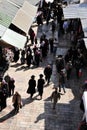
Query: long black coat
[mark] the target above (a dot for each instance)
(32, 85)
(40, 84)
(28, 59)
(48, 71)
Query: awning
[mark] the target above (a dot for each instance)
(29, 9)
(22, 20)
(72, 1)
(25, 17)
(14, 39)
(73, 11)
(70, 12)
(84, 26)
(47, 1)
(85, 41)
(2, 30)
(20, 2)
(84, 97)
(7, 12)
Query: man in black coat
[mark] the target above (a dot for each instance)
(32, 85)
(40, 85)
(37, 57)
(48, 73)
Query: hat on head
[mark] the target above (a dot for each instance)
(41, 75)
(32, 76)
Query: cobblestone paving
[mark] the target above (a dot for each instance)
(38, 114)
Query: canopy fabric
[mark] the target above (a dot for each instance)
(72, 1)
(73, 11)
(25, 17)
(20, 2)
(85, 41)
(84, 97)
(22, 20)
(47, 1)
(2, 30)
(29, 9)
(14, 39)
(84, 26)
(70, 13)
(7, 12)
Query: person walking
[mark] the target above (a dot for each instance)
(40, 85)
(55, 44)
(62, 81)
(11, 85)
(32, 35)
(51, 45)
(78, 67)
(1, 98)
(16, 54)
(69, 69)
(55, 96)
(17, 102)
(23, 56)
(37, 57)
(48, 73)
(32, 85)
(5, 92)
(29, 59)
(53, 27)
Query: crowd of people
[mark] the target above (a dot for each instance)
(34, 54)
(7, 87)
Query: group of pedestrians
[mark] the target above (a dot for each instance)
(30, 56)
(39, 51)
(75, 58)
(32, 84)
(54, 97)
(37, 54)
(7, 86)
(40, 83)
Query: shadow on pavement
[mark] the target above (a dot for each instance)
(16, 65)
(9, 115)
(25, 68)
(63, 117)
(21, 68)
(29, 100)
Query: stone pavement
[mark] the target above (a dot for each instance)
(38, 114)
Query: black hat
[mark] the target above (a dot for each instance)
(32, 76)
(41, 75)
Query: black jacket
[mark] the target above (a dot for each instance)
(32, 85)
